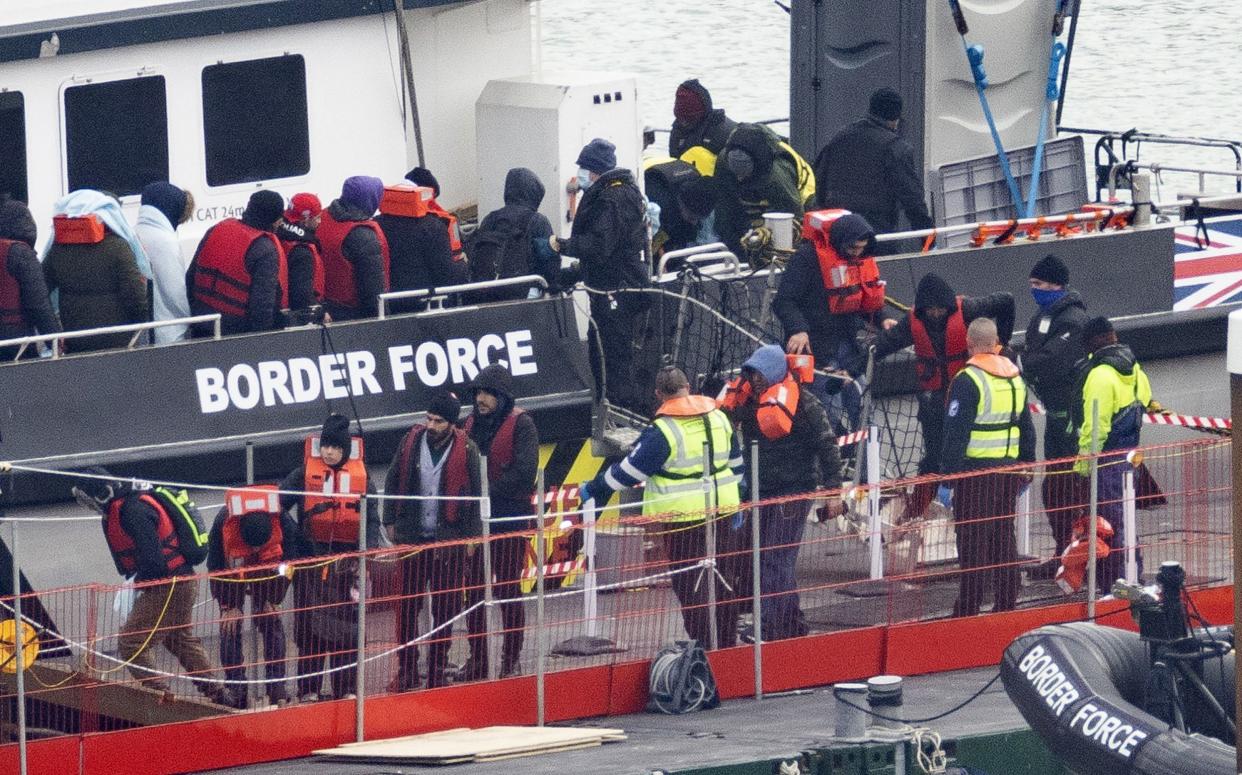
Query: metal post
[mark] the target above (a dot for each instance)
(485, 516)
(1131, 526)
(255, 611)
(709, 529)
(589, 601)
(1093, 508)
(1234, 364)
(541, 559)
(1024, 522)
(756, 597)
(19, 643)
(876, 537)
(360, 677)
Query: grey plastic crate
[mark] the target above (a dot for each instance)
(975, 189)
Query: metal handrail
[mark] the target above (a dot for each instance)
(422, 293)
(1156, 167)
(138, 328)
(699, 254)
(1108, 138)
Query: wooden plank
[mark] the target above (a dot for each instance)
(482, 743)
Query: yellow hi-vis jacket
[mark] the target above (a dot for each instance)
(996, 434)
(693, 426)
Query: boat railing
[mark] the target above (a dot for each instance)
(714, 252)
(1107, 156)
(1123, 170)
(436, 296)
(138, 329)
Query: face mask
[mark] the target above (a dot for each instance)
(740, 163)
(584, 179)
(1047, 298)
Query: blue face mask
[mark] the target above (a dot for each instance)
(1046, 299)
(584, 179)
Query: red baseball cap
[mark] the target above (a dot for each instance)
(303, 206)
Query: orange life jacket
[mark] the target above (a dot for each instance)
(221, 280)
(326, 519)
(243, 501)
(10, 291)
(734, 394)
(738, 391)
(1074, 559)
(121, 544)
(777, 407)
(936, 370)
(339, 284)
(454, 233)
(86, 229)
(853, 285)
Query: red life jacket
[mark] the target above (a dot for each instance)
(242, 501)
(500, 454)
(317, 278)
(10, 291)
(853, 285)
(122, 545)
(777, 407)
(339, 284)
(220, 277)
(326, 519)
(456, 474)
(935, 370)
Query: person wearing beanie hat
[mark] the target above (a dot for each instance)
(240, 271)
(700, 130)
(609, 239)
(251, 537)
(668, 454)
(936, 327)
(19, 265)
(1051, 351)
(437, 460)
(136, 526)
(756, 173)
(324, 626)
(355, 253)
(1112, 387)
(421, 176)
(164, 208)
(507, 436)
(296, 232)
(868, 168)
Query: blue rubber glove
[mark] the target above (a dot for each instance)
(584, 492)
(738, 520)
(944, 496)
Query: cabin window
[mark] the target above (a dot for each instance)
(254, 120)
(13, 145)
(116, 134)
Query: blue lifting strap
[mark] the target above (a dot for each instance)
(1051, 94)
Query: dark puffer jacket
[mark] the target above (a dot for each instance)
(1052, 349)
(512, 489)
(511, 235)
(802, 300)
(99, 285)
(421, 256)
(869, 169)
(771, 187)
(22, 264)
(299, 242)
(609, 234)
(805, 460)
(935, 292)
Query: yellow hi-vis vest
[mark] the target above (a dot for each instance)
(996, 433)
(677, 489)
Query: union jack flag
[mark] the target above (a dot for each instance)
(1210, 276)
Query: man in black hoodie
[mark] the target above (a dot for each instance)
(1052, 348)
(512, 241)
(696, 124)
(609, 237)
(755, 175)
(239, 270)
(804, 304)
(507, 436)
(936, 326)
(24, 304)
(869, 169)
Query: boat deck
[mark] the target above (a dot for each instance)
(738, 731)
